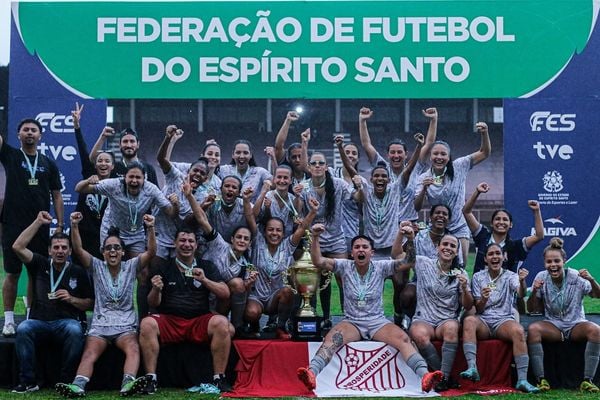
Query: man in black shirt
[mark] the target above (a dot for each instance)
(180, 294)
(31, 179)
(61, 295)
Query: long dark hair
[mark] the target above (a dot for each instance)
(510, 218)
(206, 146)
(252, 161)
(450, 165)
(113, 231)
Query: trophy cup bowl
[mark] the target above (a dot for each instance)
(305, 278)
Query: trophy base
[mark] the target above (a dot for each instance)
(307, 329)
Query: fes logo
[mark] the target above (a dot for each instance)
(545, 120)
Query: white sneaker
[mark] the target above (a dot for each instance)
(9, 330)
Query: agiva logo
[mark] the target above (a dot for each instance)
(556, 227)
(57, 123)
(546, 120)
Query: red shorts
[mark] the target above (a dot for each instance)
(175, 329)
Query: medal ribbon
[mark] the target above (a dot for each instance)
(114, 286)
(289, 205)
(32, 169)
(363, 282)
(185, 267)
(53, 284)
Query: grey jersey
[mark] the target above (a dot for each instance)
(219, 252)
(450, 192)
(381, 215)
(437, 294)
(285, 211)
(253, 177)
(226, 222)
(127, 212)
(271, 267)
(332, 238)
(499, 305)
(351, 209)
(113, 306)
(563, 306)
(407, 203)
(363, 296)
(166, 226)
(212, 186)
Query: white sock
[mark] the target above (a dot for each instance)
(28, 311)
(9, 317)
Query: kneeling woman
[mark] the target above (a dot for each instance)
(493, 292)
(114, 320)
(559, 292)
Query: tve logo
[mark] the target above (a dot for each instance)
(58, 151)
(56, 122)
(562, 151)
(552, 122)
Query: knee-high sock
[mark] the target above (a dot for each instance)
(522, 364)
(536, 356)
(417, 363)
(317, 364)
(592, 352)
(238, 304)
(448, 355)
(430, 354)
(470, 350)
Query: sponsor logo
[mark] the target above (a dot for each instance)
(545, 120)
(562, 151)
(58, 152)
(372, 370)
(557, 228)
(553, 182)
(55, 122)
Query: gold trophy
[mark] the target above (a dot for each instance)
(304, 280)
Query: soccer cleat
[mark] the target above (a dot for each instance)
(21, 388)
(430, 380)
(543, 385)
(134, 386)
(307, 377)
(151, 385)
(9, 330)
(526, 387)
(471, 374)
(222, 385)
(69, 390)
(589, 387)
(282, 334)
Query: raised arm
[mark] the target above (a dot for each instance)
(305, 139)
(59, 209)
(261, 198)
(359, 194)
(535, 304)
(339, 142)
(420, 197)
(20, 245)
(87, 166)
(315, 250)
(248, 213)
(467, 210)
(161, 156)
(410, 253)
(419, 139)
(522, 290)
(432, 114)
(282, 135)
(150, 252)
(364, 114)
(538, 223)
(106, 133)
(85, 257)
(87, 185)
(306, 222)
(486, 147)
(178, 135)
(585, 274)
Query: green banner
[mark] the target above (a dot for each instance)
(316, 49)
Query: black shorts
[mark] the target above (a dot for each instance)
(12, 263)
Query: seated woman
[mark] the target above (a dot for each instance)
(114, 320)
(493, 292)
(558, 292)
(442, 289)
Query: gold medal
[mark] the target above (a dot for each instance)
(52, 296)
(32, 182)
(188, 273)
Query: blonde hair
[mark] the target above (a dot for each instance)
(556, 244)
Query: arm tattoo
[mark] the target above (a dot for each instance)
(327, 352)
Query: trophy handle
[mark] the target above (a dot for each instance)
(327, 280)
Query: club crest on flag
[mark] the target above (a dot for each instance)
(372, 370)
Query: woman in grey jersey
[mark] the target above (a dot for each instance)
(446, 179)
(442, 289)
(493, 290)
(272, 255)
(558, 292)
(114, 320)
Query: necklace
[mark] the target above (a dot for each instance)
(438, 179)
(187, 271)
(363, 285)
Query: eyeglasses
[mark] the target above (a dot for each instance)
(111, 247)
(319, 163)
